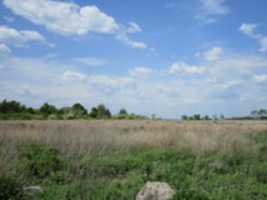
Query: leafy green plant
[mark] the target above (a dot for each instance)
(41, 161)
(10, 189)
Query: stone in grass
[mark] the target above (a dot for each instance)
(33, 189)
(155, 191)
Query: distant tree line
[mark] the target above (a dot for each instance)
(259, 114)
(16, 110)
(197, 117)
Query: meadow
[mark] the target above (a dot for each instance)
(113, 159)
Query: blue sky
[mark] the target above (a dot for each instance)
(168, 57)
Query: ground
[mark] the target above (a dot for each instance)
(109, 159)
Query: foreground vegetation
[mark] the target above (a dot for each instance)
(114, 159)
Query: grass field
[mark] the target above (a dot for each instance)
(112, 160)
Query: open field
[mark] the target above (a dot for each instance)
(109, 159)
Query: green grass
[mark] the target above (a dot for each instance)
(120, 175)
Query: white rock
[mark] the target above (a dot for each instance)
(33, 189)
(155, 191)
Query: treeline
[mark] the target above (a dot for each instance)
(260, 114)
(16, 110)
(197, 117)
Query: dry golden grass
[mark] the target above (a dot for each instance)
(107, 135)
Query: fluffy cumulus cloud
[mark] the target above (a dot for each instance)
(210, 10)
(90, 61)
(4, 49)
(182, 68)
(73, 76)
(261, 78)
(251, 31)
(132, 43)
(213, 54)
(141, 72)
(63, 17)
(8, 34)
(68, 18)
(133, 28)
(11, 36)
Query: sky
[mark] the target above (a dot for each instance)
(164, 57)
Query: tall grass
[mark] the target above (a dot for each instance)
(108, 159)
(91, 136)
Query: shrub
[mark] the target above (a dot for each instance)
(10, 189)
(41, 161)
(260, 172)
(48, 109)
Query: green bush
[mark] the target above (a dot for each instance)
(10, 189)
(260, 172)
(41, 161)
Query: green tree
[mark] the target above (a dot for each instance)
(259, 114)
(123, 112)
(30, 110)
(103, 112)
(48, 109)
(79, 109)
(93, 113)
(11, 107)
(206, 117)
(184, 117)
(197, 116)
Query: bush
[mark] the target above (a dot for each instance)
(42, 161)
(260, 172)
(10, 189)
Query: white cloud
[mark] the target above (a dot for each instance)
(219, 87)
(230, 84)
(68, 18)
(91, 61)
(137, 44)
(184, 68)
(4, 49)
(250, 30)
(263, 43)
(215, 7)
(133, 28)
(140, 72)
(261, 78)
(15, 37)
(211, 9)
(122, 36)
(213, 54)
(63, 17)
(73, 76)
